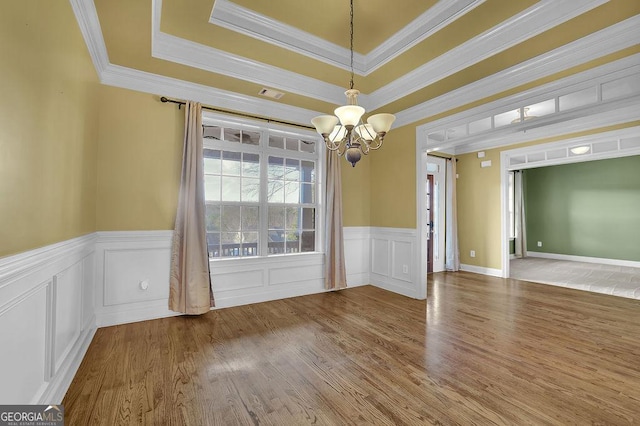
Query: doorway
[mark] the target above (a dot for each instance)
(429, 209)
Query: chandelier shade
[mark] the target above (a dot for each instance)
(345, 133)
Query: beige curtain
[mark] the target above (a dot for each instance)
(452, 252)
(521, 229)
(335, 275)
(190, 282)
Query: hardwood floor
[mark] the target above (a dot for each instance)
(480, 350)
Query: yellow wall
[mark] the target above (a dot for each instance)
(393, 180)
(48, 126)
(139, 161)
(356, 192)
(479, 201)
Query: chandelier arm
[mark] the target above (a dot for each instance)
(331, 144)
(378, 145)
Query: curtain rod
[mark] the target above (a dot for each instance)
(164, 99)
(440, 156)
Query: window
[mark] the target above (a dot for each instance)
(261, 191)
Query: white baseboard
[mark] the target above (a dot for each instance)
(388, 284)
(136, 313)
(481, 270)
(586, 259)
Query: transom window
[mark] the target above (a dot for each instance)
(261, 191)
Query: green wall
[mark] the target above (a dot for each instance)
(585, 209)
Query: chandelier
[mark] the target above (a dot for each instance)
(344, 132)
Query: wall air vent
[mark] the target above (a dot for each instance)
(270, 93)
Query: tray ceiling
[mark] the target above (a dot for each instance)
(406, 53)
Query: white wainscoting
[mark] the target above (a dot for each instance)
(132, 276)
(357, 250)
(394, 260)
(53, 298)
(46, 319)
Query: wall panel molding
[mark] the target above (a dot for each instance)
(46, 319)
(394, 264)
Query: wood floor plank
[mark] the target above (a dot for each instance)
(479, 350)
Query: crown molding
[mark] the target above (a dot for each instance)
(175, 49)
(248, 22)
(142, 81)
(521, 27)
(609, 40)
(529, 23)
(87, 18)
(605, 41)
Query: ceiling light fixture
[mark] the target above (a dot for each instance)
(344, 132)
(525, 116)
(579, 150)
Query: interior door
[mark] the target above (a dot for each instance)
(429, 210)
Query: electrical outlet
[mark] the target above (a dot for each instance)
(405, 269)
(472, 253)
(539, 243)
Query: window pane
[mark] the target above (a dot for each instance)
(275, 192)
(212, 161)
(276, 141)
(291, 218)
(292, 193)
(250, 218)
(212, 217)
(211, 188)
(308, 171)
(578, 99)
(250, 189)
(307, 191)
(212, 132)
(250, 165)
(231, 163)
(292, 169)
(213, 244)
(250, 138)
(540, 109)
(308, 242)
(230, 244)
(506, 118)
(308, 146)
(276, 217)
(230, 188)
(276, 168)
(480, 125)
(230, 218)
(308, 218)
(232, 135)
(292, 144)
(293, 242)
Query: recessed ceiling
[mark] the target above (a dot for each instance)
(407, 53)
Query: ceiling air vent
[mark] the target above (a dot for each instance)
(270, 93)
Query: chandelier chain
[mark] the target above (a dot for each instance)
(351, 45)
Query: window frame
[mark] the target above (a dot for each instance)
(264, 151)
